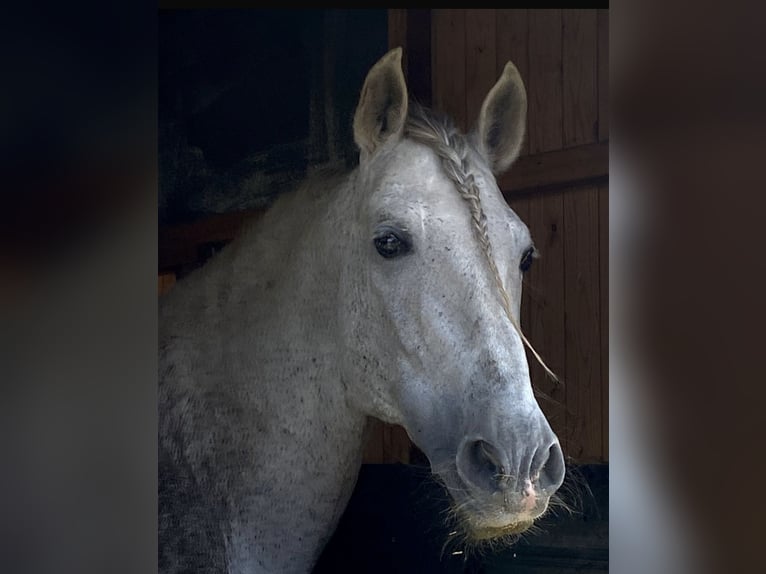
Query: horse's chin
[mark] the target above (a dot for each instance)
(486, 519)
(484, 516)
(484, 533)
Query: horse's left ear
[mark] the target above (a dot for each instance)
(502, 121)
(382, 107)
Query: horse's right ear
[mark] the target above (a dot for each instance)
(382, 108)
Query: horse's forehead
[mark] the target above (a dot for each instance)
(414, 177)
(413, 165)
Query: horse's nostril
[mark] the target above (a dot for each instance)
(485, 459)
(481, 464)
(552, 471)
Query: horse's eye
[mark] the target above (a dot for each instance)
(389, 245)
(526, 259)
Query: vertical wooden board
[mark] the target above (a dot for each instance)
(396, 444)
(480, 64)
(543, 301)
(511, 32)
(583, 340)
(448, 59)
(603, 74)
(373, 448)
(579, 68)
(397, 32)
(603, 248)
(545, 81)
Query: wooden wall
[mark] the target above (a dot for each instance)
(559, 186)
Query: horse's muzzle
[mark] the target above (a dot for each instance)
(530, 470)
(504, 490)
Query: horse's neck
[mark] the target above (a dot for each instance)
(270, 387)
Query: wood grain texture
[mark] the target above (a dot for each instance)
(557, 168)
(373, 447)
(580, 76)
(582, 308)
(545, 81)
(396, 444)
(481, 64)
(512, 40)
(603, 249)
(603, 75)
(544, 301)
(448, 57)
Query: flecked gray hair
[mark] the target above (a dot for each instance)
(452, 147)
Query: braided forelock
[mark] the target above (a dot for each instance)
(452, 149)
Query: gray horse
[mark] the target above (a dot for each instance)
(392, 292)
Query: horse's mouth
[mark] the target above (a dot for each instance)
(484, 520)
(493, 532)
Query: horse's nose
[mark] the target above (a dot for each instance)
(485, 466)
(547, 468)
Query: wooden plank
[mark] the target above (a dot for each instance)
(583, 340)
(481, 64)
(397, 32)
(579, 73)
(396, 444)
(448, 58)
(543, 304)
(603, 265)
(373, 448)
(545, 81)
(603, 74)
(512, 38)
(557, 168)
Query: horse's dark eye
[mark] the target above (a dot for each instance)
(526, 259)
(391, 245)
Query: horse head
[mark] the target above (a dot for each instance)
(432, 299)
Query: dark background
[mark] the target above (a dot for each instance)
(249, 99)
